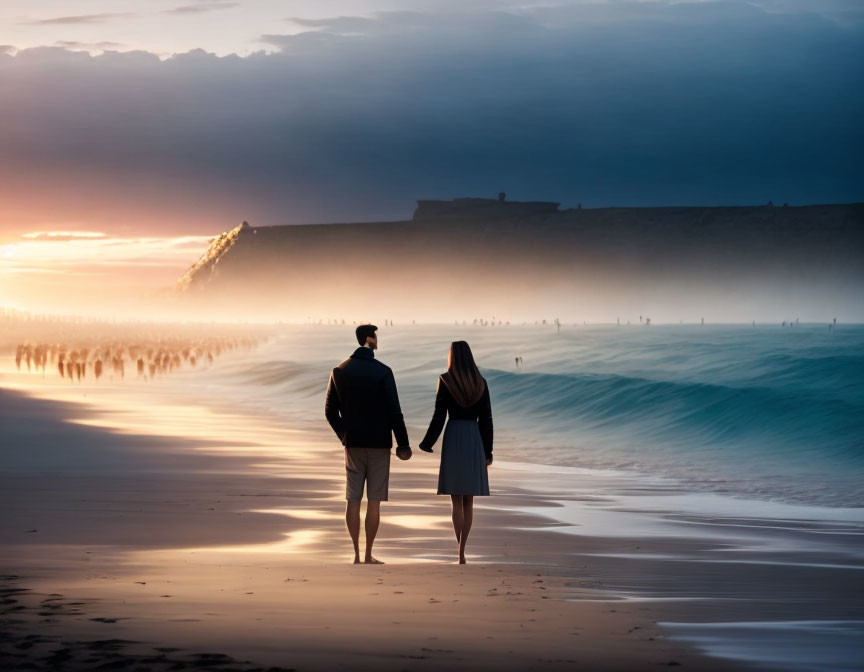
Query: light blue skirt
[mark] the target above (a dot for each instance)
(463, 462)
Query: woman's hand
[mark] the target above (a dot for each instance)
(425, 449)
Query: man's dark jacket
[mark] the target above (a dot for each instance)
(362, 405)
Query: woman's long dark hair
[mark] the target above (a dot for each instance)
(463, 379)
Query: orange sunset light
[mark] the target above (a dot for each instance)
(99, 271)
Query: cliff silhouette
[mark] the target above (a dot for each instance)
(523, 258)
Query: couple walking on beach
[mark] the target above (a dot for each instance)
(362, 407)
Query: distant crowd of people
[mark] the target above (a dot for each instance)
(145, 358)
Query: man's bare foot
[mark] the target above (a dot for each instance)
(462, 560)
(372, 561)
(356, 559)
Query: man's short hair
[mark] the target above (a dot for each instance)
(365, 330)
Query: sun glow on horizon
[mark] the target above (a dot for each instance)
(73, 250)
(58, 235)
(97, 268)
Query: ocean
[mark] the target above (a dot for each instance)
(760, 412)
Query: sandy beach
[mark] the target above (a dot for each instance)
(159, 551)
(182, 535)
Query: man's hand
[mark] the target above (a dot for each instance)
(403, 452)
(488, 460)
(425, 450)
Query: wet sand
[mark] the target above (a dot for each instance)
(173, 551)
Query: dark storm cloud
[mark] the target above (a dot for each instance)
(625, 103)
(81, 18)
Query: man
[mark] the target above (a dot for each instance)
(362, 407)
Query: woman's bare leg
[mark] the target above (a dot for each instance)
(457, 516)
(467, 519)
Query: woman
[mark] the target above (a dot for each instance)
(463, 394)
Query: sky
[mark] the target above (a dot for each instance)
(168, 122)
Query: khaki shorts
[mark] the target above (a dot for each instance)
(370, 465)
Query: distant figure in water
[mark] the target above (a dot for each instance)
(362, 407)
(518, 362)
(466, 452)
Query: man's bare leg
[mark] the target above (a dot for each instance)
(467, 519)
(373, 517)
(352, 520)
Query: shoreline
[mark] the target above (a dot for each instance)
(611, 437)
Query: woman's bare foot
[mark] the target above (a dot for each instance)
(356, 559)
(372, 561)
(462, 560)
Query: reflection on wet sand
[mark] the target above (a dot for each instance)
(298, 541)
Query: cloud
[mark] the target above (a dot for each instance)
(74, 44)
(82, 18)
(603, 104)
(200, 9)
(61, 236)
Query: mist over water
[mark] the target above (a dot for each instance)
(763, 412)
